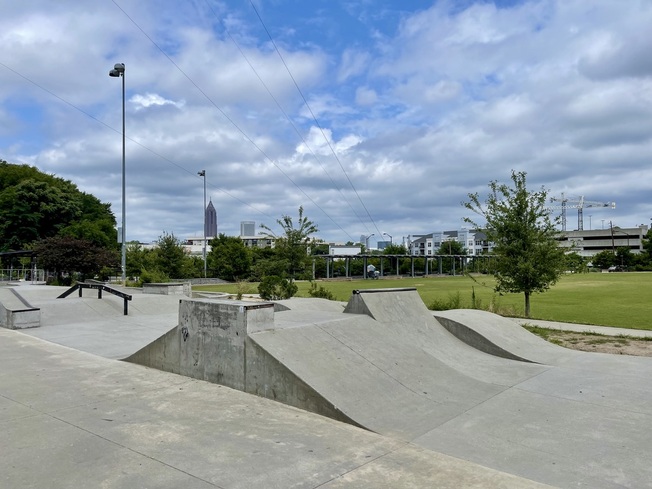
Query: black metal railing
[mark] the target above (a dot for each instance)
(99, 286)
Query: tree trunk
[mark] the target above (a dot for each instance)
(527, 304)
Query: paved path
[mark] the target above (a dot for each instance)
(586, 328)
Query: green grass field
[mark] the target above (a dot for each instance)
(607, 299)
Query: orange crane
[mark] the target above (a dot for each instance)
(578, 203)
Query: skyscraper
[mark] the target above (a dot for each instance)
(247, 228)
(210, 221)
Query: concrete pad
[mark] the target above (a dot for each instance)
(99, 326)
(560, 417)
(119, 425)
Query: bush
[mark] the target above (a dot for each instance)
(154, 277)
(454, 301)
(274, 287)
(320, 292)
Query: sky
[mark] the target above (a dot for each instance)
(378, 117)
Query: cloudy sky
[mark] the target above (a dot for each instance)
(376, 116)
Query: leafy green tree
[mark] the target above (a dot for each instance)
(647, 246)
(36, 205)
(169, 256)
(624, 256)
(229, 258)
(451, 247)
(528, 258)
(395, 249)
(68, 255)
(138, 259)
(576, 263)
(33, 210)
(292, 244)
(604, 259)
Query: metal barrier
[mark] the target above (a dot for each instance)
(32, 275)
(99, 287)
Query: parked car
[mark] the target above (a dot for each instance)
(616, 268)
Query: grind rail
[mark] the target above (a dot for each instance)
(99, 287)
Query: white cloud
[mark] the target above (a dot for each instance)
(152, 99)
(419, 112)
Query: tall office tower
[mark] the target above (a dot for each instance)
(247, 228)
(210, 221)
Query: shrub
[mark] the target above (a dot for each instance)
(274, 287)
(320, 292)
(454, 301)
(153, 277)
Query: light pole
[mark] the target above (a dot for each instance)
(391, 241)
(203, 174)
(366, 241)
(118, 71)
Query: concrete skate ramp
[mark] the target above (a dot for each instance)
(99, 326)
(501, 336)
(385, 363)
(567, 420)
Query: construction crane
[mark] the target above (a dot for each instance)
(578, 203)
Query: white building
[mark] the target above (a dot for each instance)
(472, 240)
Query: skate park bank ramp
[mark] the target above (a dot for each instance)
(98, 325)
(383, 362)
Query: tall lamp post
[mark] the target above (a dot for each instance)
(366, 241)
(391, 241)
(118, 71)
(203, 174)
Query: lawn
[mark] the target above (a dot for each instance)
(606, 299)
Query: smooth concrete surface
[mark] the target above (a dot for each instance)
(16, 312)
(99, 326)
(559, 417)
(71, 419)
(214, 341)
(168, 288)
(566, 418)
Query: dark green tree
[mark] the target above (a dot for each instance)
(68, 255)
(292, 245)
(33, 210)
(229, 258)
(36, 205)
(528, 258)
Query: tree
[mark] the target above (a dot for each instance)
(229, 258)
(169, 256)
(451, 247)
(36, 205)
(33, 210)
(65, 254)
(528, 258)
(395, 249)
(293, 244)
(604, 259)
(575, 262)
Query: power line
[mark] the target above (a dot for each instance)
(287, 117)
(312, 114)
(130, 139)
(233, 123)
